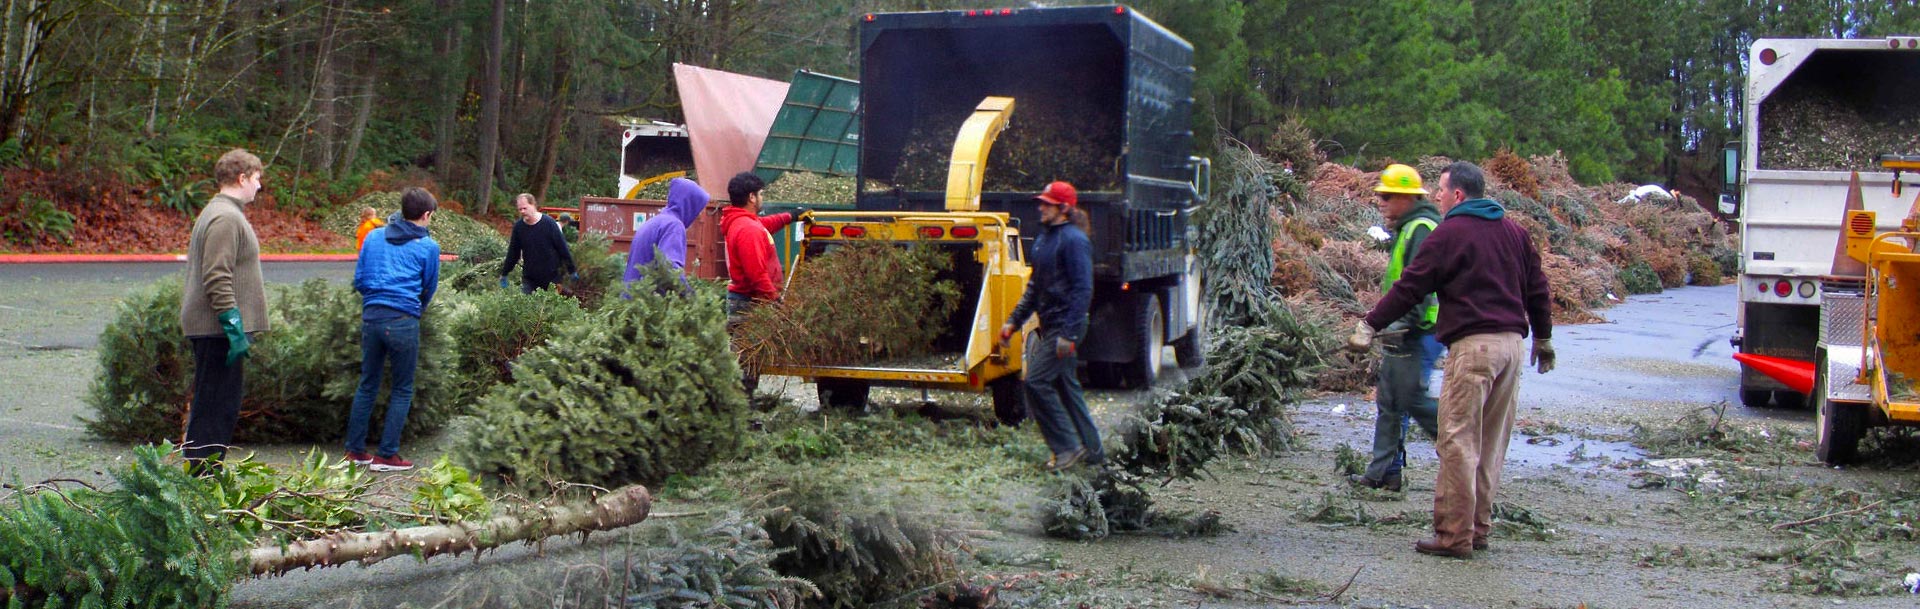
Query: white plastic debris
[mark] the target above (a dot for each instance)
(1340, 409)
(1913, 583)
(1610, 296)
(1680, 469)
(1378, 234)
(1649, 190)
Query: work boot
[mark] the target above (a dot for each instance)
(1432, 547)
(1392, 483)
(1479, 543)
(1062, 461)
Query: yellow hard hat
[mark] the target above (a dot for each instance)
(1400, 179)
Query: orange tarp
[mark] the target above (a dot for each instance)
(728, 118)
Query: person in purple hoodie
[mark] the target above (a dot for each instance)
(666, 232)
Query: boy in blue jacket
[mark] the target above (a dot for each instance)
(398, 270)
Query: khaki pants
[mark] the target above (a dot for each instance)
(1477, 401)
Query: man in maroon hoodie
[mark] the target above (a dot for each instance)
(1487, 274)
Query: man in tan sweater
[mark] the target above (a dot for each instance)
(225, 300)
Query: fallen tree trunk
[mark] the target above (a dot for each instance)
(611, 511)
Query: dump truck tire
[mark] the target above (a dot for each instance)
(1103, 375)
(1789, 400)
(1191, 350)
(1009, 405)
(1755, 398)
(843, 393)
(1150, 339)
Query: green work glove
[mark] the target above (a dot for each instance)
(237, 343)
(1542, 355)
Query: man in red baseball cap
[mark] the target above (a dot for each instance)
(1059, 292)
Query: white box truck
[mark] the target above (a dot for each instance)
(1791, 203)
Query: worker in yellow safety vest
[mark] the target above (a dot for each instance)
(1408, 344)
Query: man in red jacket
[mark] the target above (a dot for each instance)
(1486, 271)
(752, 264)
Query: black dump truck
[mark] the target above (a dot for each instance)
(1104, 101)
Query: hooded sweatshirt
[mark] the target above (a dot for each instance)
(1486, 271)
(752, 263)
(667, 230)
(398, 271)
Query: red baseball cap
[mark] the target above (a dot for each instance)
(1059, 193)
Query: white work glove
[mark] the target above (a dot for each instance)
(1362, 338)
(1542, 359)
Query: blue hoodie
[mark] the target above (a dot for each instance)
(667, 230)
(399, 269)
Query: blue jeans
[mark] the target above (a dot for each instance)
(1055, 400)
(1402, 394)
(395, 340)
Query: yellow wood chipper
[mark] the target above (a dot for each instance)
(1869, 349)
(989, 267)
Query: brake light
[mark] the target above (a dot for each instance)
(932, 232)
(1006, 11)
(1782, 288)
(965, 232)
(819, 230)
(853, 232)
(1768, 56)
(1119, 10)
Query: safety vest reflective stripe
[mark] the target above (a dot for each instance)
(1429, 312)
